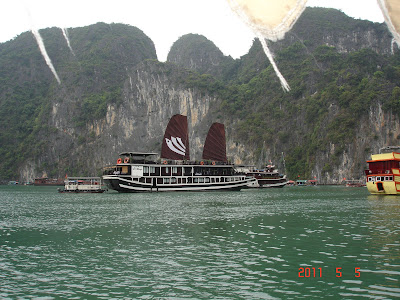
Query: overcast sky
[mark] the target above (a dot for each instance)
(164, 21)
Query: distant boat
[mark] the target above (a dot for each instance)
(301, 182)
(136, 172)
(44, 181)
(383, 174)
(354, 183)
(82, 185)
(13, 182)
(269, 177)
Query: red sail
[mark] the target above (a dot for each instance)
(215, 145)
(176, 139)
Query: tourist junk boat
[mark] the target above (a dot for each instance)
(82, 185)
(136, 172)
(383, 174)
(269, 177)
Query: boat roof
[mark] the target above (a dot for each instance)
(144, 154)
(385, 157)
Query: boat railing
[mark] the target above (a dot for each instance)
(374, 172)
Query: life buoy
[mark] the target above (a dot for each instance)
(164, 162)
(202, 162)
(126, 160)
(213, 163)
(119, 161)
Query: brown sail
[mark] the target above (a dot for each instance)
(215, 145)
(176, 139)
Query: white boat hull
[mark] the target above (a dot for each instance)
(268, 185)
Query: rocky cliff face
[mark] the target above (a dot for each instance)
(375, 131)
(152, 93)
(115, 97)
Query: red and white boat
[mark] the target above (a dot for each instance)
(138, 172)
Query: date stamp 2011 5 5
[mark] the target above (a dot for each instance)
(312, 272)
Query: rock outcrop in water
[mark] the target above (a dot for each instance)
(115, 96)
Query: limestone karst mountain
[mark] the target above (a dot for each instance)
(116, 96)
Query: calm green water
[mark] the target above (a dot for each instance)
(229, 245)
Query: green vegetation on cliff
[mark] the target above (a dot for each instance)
(91, 78)
(336, 75)
(332, 91)
(330, 95)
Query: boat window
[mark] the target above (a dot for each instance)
(208, 180)
(378, 178)
(145, 170)
(148, 180)
(173, 180)
(217, 179)
(390, 178)
(175, 170)
(141, 179)
(159, 180)
(187, 171)
(183, 180)
(135, 179)
(195, 180)
(124, 170)
(165, 171)
(179, 181)
(189, 180)
(212, 180)
(166, 180)
(201, 180)
(154, 171)
(222, 179)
